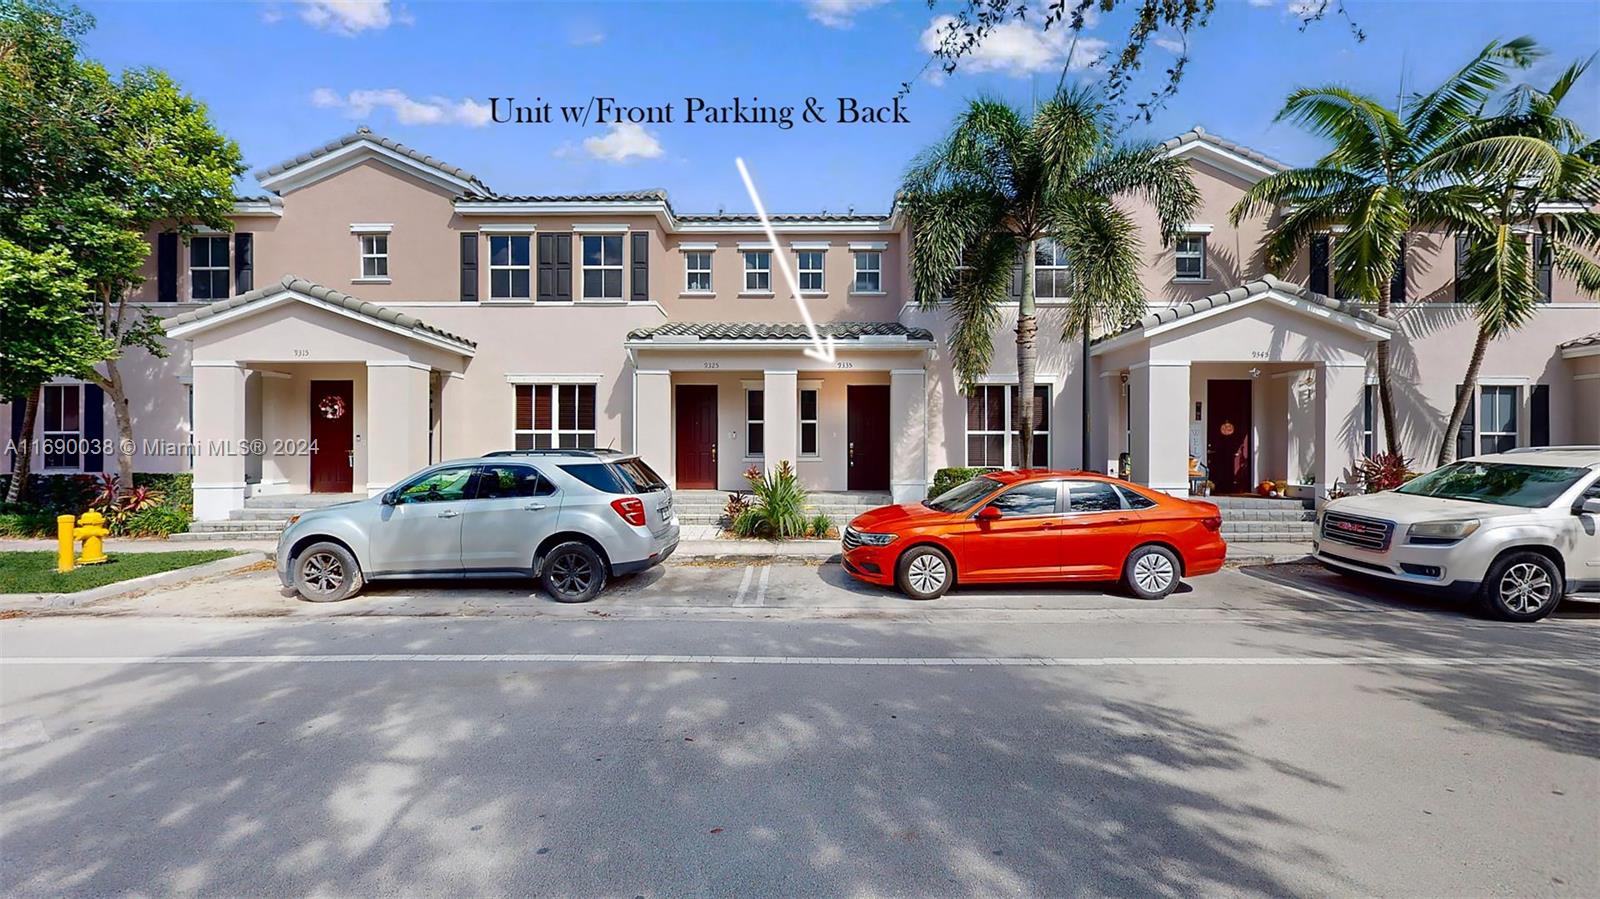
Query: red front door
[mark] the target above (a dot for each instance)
(867, 436)
(333, 410)
(697, 436)
(1228, 435)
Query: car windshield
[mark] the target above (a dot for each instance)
(1528, 486)
(963, 497)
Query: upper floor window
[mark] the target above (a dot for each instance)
(1191, 258)
(697, 272)
(758, 271)
(510, 267)
(602, 266)
(555, 416)
(208, 268)
(374, 256)
(810, 271)
(1051, 279)
(869, 272)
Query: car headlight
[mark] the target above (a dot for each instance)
(1451, 529)
(876, 539)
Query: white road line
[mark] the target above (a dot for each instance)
(761, 591)
(918, 662)
(744, 585)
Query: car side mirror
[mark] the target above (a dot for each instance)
(1590, 507)
(390, 498)
(989, 513)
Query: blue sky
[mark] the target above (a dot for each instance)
(281, 77)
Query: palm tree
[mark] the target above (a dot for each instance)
(1373, 183)
(999, 184)
(1536, 174)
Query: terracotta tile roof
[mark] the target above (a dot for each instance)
(364, 134)
(653, 193)
(658, 195)
(728, 331)
(1351, 308)
(1586, 340)
(289, 283)
(1200, 134)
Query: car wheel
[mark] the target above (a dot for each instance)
(1151, 572)
(1524, 586)
(573, 572)
(326, 572)
(924, 573)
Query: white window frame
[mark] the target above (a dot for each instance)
(1057, 264)
(620, 267)
(1179, 254)
(813, 387)
(749, 256)
(748, 421)
(1484, 392)
(225, 267)
(876, 270)
(1010, 434)
(690, 270)
(373, 255)
(819, 271)
(510, 267)
(555, 432)
(46, 435)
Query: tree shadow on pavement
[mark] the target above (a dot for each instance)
(593, 779)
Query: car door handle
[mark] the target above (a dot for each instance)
(449, 513)
(533, 507)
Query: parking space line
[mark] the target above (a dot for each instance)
(744, 585)
(921, 662)
(761, 592)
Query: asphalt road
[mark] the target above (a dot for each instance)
(1264, 734)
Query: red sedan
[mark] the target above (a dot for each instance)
(1037, 525)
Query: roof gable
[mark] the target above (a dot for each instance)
(1202, 146)
(358, 147)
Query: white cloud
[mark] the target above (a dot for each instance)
(406, 110)
(271, 14)
(838, 13)
(1263, 2)
(586, 38)
(1019, 49)
(1171, 45)
(1307, 7)
(351, 17)
(624, 143)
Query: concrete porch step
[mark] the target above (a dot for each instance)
(269, 524)
(1251, 514)
(1256, 502)
(273, 514)
(218, 536)
(299, 500)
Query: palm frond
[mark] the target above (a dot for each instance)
(944, 224)
(1576, 265)
(975, 305)
(1497, 280)
(1146, 172)
(1293, 187)
(1102, 242)
(1462, 96)
(1365, 135)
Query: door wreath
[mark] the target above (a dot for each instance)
(332, 407)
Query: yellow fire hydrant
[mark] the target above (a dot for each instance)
(91, 529)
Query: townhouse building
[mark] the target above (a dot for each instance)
(379, 309)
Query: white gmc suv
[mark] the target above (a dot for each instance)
(1517, 530)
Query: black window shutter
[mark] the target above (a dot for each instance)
(469, 268)
(244, 263)
(545, 266)
(167, 268)
(640, 266)
(1397, 281)
(1319, 264)
(1465, 438)
(1539, 416)
(1461, 267)
(563, 244)
(1542, 262)
(94, 428)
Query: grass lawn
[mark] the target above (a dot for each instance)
(35, 572)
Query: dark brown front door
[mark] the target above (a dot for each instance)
(867, 437)
(697, 436)
(333, 409)
(1228, 435)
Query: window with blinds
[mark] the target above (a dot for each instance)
(555, 416)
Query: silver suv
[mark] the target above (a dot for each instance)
(571, 518)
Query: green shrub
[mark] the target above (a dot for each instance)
(778, 508)
(156, 522)
(947, 479)
(821, 525)
(164, 504)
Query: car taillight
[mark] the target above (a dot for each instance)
(1212, 522)
(631, 508)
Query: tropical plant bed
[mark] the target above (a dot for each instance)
(35, 572)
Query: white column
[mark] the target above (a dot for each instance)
(219, 437)
(1336, 412)
(397, 422)
(1160, 397)
(781, 413)
(908, 429)
(1107, 423)
(652, 421)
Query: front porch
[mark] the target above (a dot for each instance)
(302, 389)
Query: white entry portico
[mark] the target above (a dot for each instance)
(1290, 365)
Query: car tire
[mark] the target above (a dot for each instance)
(1522, 586)
(326, 572)
(924, 573)
(1151, 572)
(573, 572)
